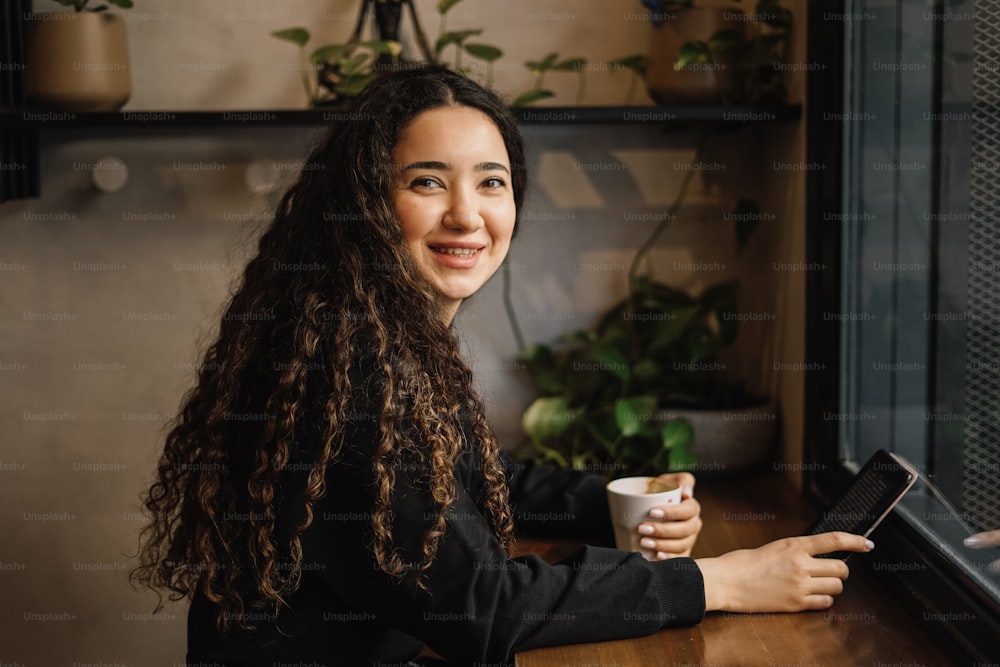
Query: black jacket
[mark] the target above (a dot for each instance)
(481, 606)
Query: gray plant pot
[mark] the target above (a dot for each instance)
(729, 441)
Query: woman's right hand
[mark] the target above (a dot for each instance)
(780, 576)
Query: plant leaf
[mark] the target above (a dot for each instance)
(356, 65)
(124, 4)
(670, 330)
(550, 381)
(720, 300)
(530, 97)
(612, 359)
(691, 53)
(725, 40)
(632, 413)
(330, 53)
(570, 65)
(484, 52)
(676, 434)
(576, 338)
(646, 370)
(636, 62)
(682, 460)
(454, 37)
(536, 355)
(444, 6)
(703, 346)
(297, 36)
(547, 417)
(773, 14)
(537, 67)
(388, 47)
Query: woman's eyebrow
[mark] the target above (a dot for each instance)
(443, 166)
(439, 166)
(491, 166)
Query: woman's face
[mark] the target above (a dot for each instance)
(453, 197)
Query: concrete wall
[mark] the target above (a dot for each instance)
(106, 300)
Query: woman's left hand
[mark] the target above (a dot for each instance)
(673, 529)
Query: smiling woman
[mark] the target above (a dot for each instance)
(454, 199)
(331, 493)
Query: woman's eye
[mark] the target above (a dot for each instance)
(424, 182)
(494, 182)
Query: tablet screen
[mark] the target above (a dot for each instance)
(872, 494)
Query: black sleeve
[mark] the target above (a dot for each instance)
(479, 605)
(558, 502)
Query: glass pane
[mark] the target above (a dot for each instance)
(922, 261)
(889, 269)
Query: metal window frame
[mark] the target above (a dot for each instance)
(936, 586)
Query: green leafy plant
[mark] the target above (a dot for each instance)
(551, 63)
(342, 70)
(637, 65)
(604, 389)
(84, 5)
(756, 56)
(458, 38)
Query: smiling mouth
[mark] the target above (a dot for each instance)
(456, 252)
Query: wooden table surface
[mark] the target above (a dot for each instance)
(864, 626)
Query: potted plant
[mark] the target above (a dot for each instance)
(712, 52)
(755, 54)
(644, 390)
(78, 61)
(343, 70)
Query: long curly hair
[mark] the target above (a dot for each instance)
(331, 282)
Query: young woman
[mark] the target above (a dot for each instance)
(331, 493)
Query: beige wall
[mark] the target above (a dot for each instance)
(221, 55)
(107, 299)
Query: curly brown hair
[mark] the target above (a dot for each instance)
(331, 282)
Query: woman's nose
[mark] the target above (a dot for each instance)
(462, 212)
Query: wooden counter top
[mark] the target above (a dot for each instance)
(865, 626)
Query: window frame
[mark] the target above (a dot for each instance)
(937, 585)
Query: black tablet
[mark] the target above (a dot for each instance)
(872, 494)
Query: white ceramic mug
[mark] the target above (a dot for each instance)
(630, 505)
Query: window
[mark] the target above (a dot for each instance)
(906, 118)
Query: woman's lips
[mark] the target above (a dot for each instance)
(457, 257)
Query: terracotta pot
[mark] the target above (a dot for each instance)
(729, 441)
(700, 84)
(78, 61)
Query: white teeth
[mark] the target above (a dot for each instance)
(458, 252)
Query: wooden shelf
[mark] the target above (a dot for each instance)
(632, 115)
